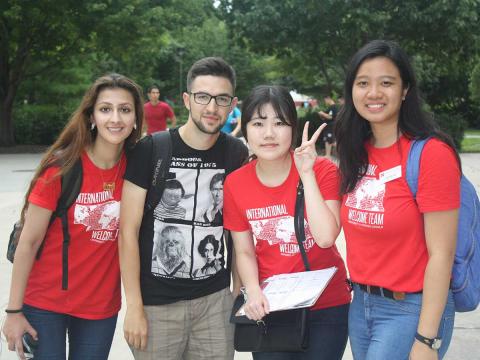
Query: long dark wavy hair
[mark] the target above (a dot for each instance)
(352, 130)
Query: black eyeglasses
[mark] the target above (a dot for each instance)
(204, 99)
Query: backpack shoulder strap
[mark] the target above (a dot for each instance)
(413, 164)
(161, 156)
(236, 154)
(71, 185)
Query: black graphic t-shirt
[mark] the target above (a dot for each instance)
(182, 247)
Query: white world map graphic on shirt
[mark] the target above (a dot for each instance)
(367, 195)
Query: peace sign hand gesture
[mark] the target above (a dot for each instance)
(306, 153)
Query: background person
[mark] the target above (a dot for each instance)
(233, 124)
(269, 122)
(108, 119)
(329, 117)
(399, 250)
(157, 113)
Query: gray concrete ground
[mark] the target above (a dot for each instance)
(17, 169)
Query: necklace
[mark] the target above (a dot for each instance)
(110, 185)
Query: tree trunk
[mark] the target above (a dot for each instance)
(7, 136)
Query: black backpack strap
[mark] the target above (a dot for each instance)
(71, 183)
(299, 223)
(161, 156)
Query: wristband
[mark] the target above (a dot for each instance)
(13, 311)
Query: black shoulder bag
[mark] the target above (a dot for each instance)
(280, 330)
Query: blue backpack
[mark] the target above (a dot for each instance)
(465, 283)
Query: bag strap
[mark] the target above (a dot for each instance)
(71, 183)
(413, 164)
(161, 156)
(299, 223)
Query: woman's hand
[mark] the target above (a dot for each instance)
(15, 326)
(257, 305)
(135, 327)
(306, 153)
(422, 352)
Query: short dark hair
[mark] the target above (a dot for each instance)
(280, 99)
(214, 66)
(151, 87)
(209, 239)
(218, 177)
(174, 184)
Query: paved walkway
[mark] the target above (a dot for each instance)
(17, 169)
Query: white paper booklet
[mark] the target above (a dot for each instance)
(296, 290)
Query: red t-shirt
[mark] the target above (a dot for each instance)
(269, 213)
(156, 116)
(93, 266)
(383, 225)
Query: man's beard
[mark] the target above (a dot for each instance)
(203, 129)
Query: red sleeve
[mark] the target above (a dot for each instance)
(327, 179)
(439, 178)
(47, 189)
(169, 111)
(233, 218)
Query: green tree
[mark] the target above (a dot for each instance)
(39, 36)
(321, 36)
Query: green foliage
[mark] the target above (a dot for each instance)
(315, 121)
(454, 125)
(317, 38)
(474, 85)
(39, 124)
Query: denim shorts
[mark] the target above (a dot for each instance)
(87, 339)
(382, 328)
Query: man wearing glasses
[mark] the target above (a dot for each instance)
(168, 316)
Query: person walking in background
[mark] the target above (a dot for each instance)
(233, 124)
(158, 113)
(265, 243)
(179, 314)
(329, 117)
(400, 250)
(108, 119)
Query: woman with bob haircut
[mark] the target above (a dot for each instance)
(264, 241)
(108, 120)
(399, 251)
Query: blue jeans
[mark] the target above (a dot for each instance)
(382, 328)
(88, 339)
(328, 337)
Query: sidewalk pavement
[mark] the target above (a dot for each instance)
(15, 173)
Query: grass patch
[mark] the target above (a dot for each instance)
(471, 145)
(472, 132)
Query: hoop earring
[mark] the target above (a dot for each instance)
(92, 127)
